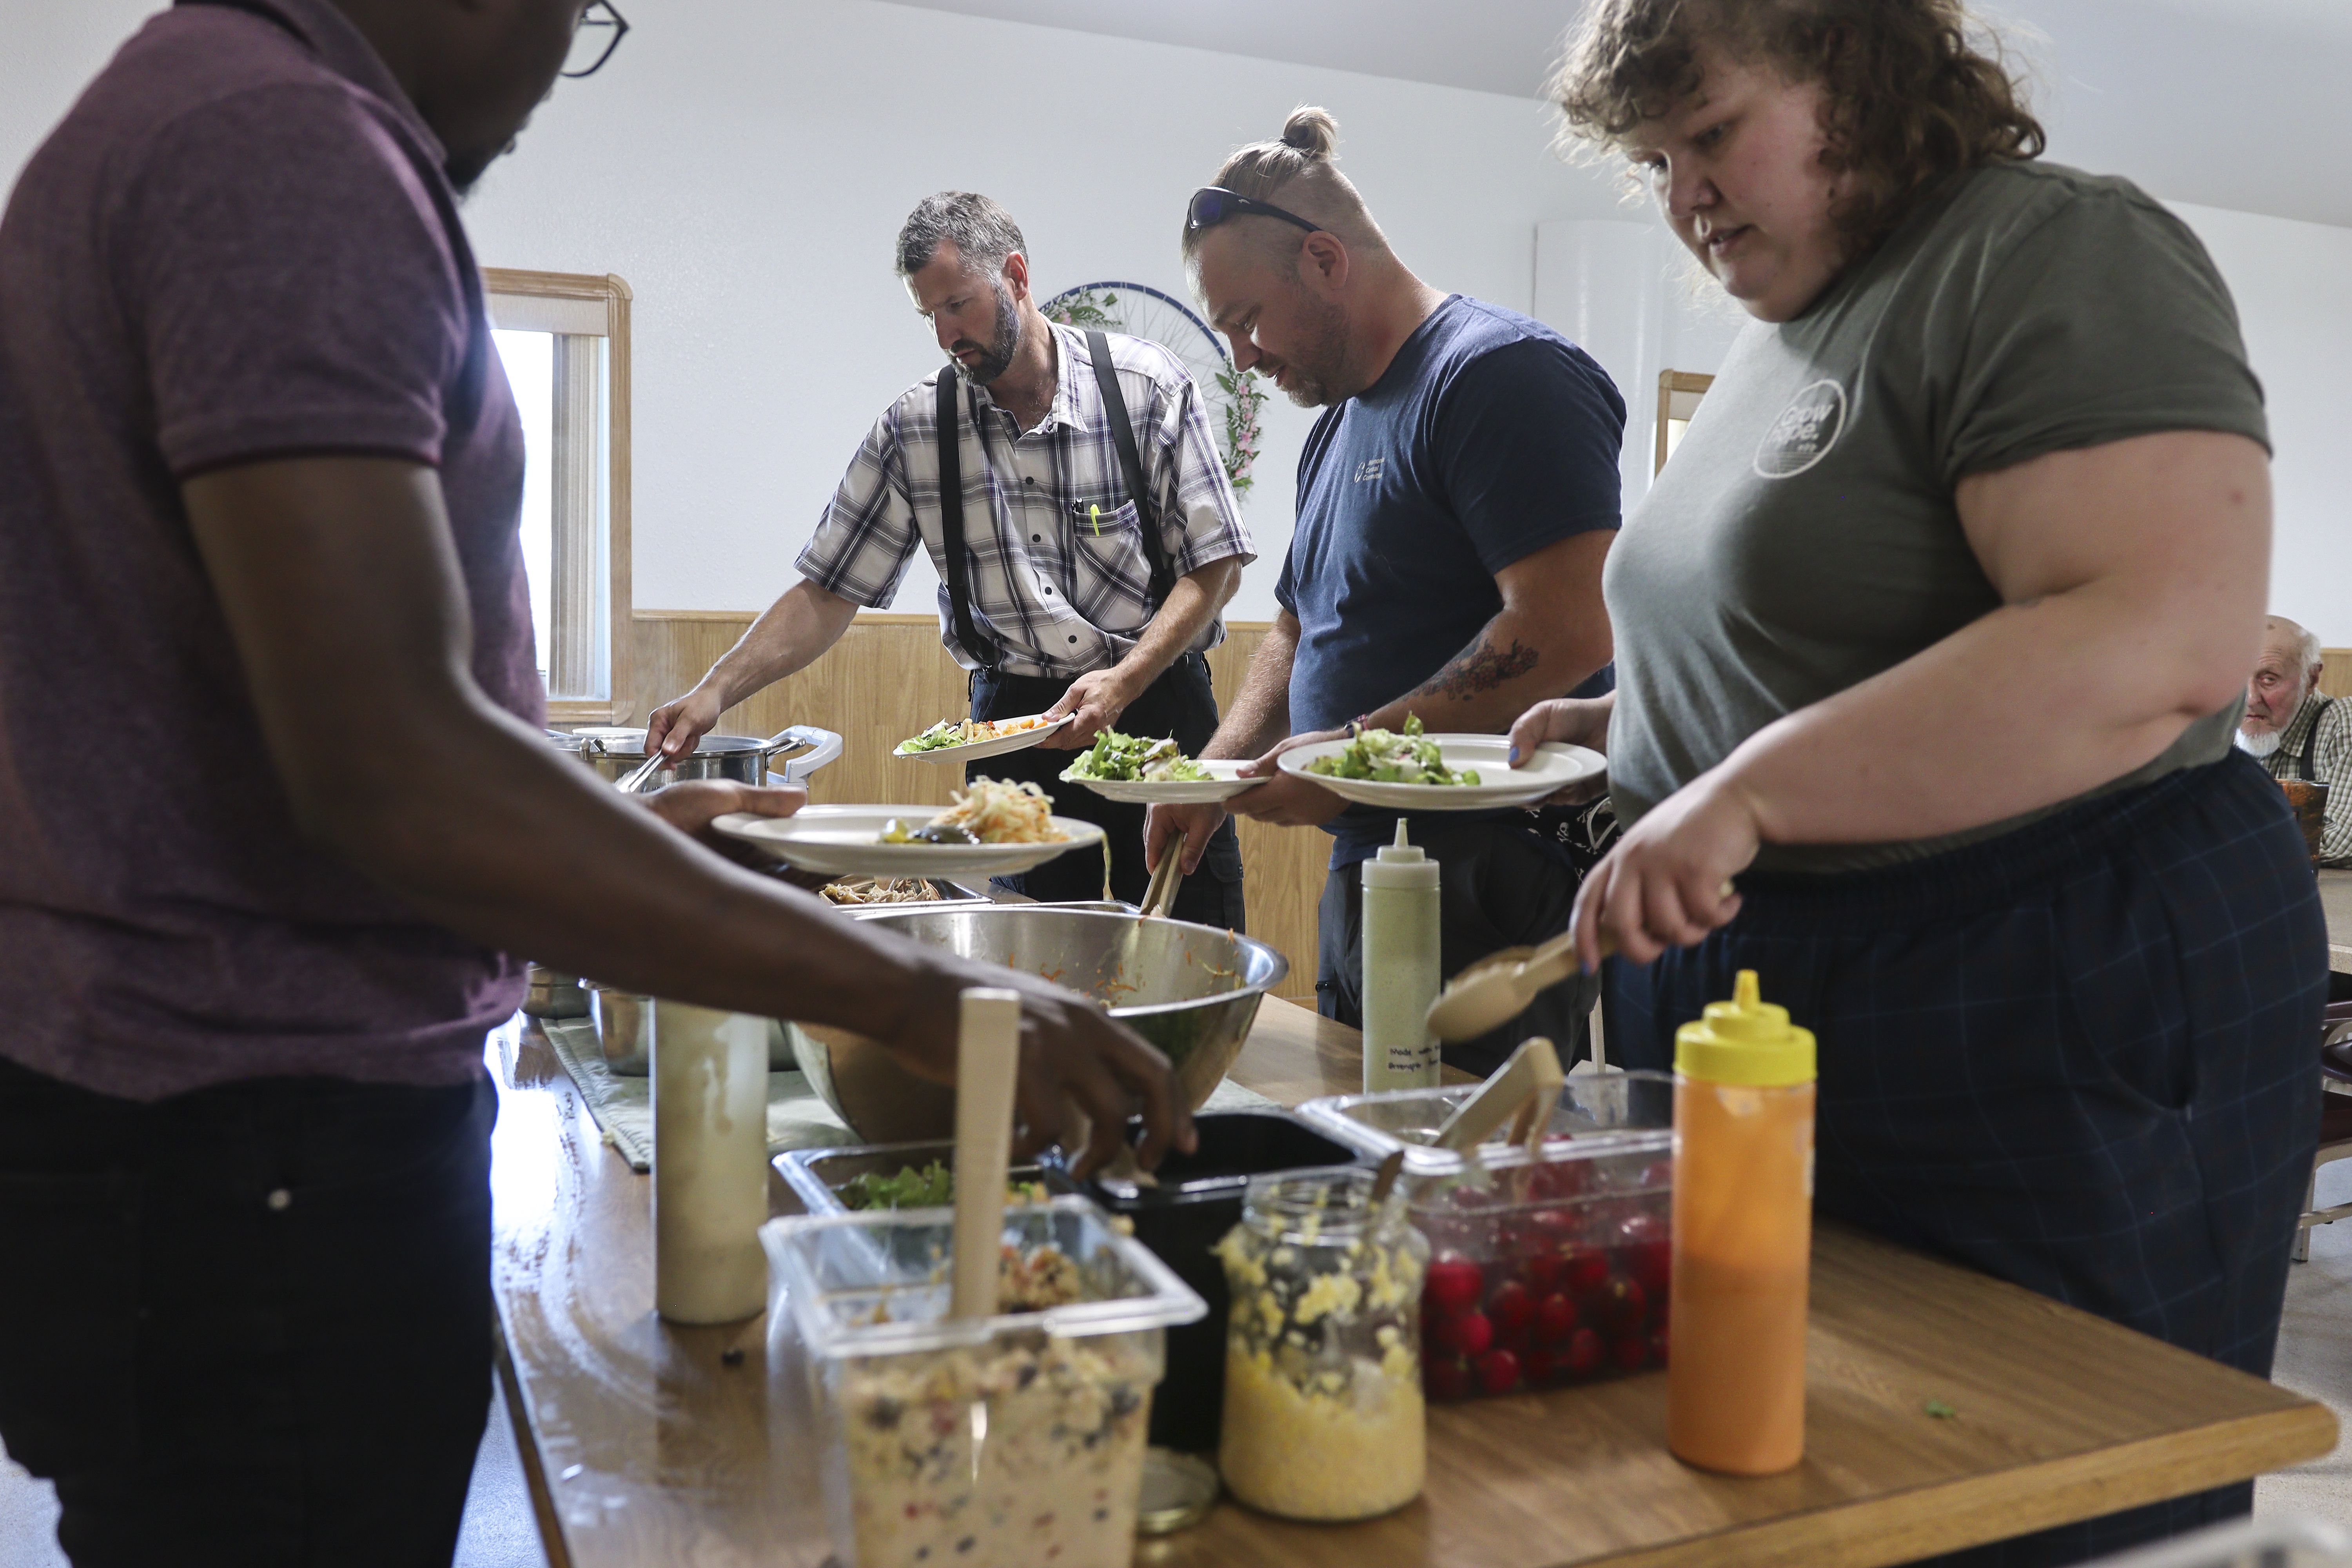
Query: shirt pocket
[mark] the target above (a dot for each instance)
(1110, 575)
(1105, 527)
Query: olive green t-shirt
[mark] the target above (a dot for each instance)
(1805, 538)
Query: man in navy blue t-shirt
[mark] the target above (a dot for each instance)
(1455, 503)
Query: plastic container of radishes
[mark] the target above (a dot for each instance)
(1549, 1266)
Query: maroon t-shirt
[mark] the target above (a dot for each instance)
(238, 246)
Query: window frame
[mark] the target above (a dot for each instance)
(1677, 389)
(614, 296)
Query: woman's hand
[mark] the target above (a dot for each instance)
(1668, 882)
(1571, 720)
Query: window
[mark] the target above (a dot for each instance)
(564, 340)
(1678, 394)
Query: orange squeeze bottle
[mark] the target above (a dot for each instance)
(1743, 1236)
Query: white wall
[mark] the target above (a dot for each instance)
(2290, 282)
(745, 164)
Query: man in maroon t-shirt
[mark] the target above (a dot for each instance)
(274, 806)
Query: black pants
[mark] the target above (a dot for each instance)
(1180, 704)
(1499, 886)
(247, 1326)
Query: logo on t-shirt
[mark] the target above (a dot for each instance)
(1369, 469)
(1804, 433)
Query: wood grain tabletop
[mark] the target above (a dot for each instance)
(651, 1445)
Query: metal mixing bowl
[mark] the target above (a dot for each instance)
(1190, 990)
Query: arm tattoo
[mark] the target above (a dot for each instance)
(1478, 668)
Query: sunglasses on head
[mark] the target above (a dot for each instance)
(1212, 204)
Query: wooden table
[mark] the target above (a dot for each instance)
(2336, 896)
(648, 1445)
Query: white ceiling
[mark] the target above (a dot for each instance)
(2230, 103)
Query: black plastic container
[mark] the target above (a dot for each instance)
(1198, 1198)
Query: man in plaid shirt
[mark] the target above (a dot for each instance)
(2297, 733)
(1059, 612)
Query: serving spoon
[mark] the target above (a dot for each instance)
(1499, 988)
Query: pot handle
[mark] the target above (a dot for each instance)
(827, 745)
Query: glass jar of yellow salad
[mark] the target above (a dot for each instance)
(1323, 1410)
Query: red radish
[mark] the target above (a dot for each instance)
(1619, 1303)
(1447, 1378)
(1588, 1270)
(1540, 1366)
(1455, 1283)
(1472, 1334)
(1632, 1351)
(1648, 1252)
(1499, 1372)
(1555, 1319)
(1510, 1306)
(1584, 1352)
(1658, 1345)
(1543, 1271)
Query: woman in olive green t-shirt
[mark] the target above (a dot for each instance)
(1932, 636)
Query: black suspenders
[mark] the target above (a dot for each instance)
(1131, 461)
(1122, 431)
(2311, 740)
(951, 521)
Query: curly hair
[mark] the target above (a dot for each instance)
(1910, 97)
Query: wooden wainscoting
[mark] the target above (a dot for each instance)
(2336, 671)
(888, 678)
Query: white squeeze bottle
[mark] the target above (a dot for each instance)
(1401, 967)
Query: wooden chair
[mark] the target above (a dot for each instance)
(2334, 1120)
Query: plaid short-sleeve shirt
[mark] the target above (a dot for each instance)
(2331, 764)
(1054, 550)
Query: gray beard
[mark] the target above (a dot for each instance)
(996, 356)
(2263, 745)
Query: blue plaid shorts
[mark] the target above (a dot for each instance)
(2081, 1057)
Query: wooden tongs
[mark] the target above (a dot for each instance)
(1522, 1092)
(1161, 896)
(988, 1056)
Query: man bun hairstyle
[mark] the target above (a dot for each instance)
(982, 231)
(1312, 132)
(1297, 171)
(1916, 89)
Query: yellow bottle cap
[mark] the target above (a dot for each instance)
(1745, 1041)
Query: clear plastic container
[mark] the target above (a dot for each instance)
(1323, 1415)
(1590, 1104)
(816, 1176)
(1548, 1267)
(1002, 1442)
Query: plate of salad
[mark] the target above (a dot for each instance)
(968, 740)
(1407, 769)
(1145, 771)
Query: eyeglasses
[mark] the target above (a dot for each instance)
(599, 34)
(1212, 204)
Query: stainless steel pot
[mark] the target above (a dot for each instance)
(615, 752)
(1190, 990)
(625, 1029)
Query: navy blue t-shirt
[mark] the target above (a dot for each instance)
(1487, 437)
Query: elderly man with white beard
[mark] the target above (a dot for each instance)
(2296, 733)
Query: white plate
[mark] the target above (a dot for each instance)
(839, 841)
(1221, 784)
(1555, 767)
(978, 749)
